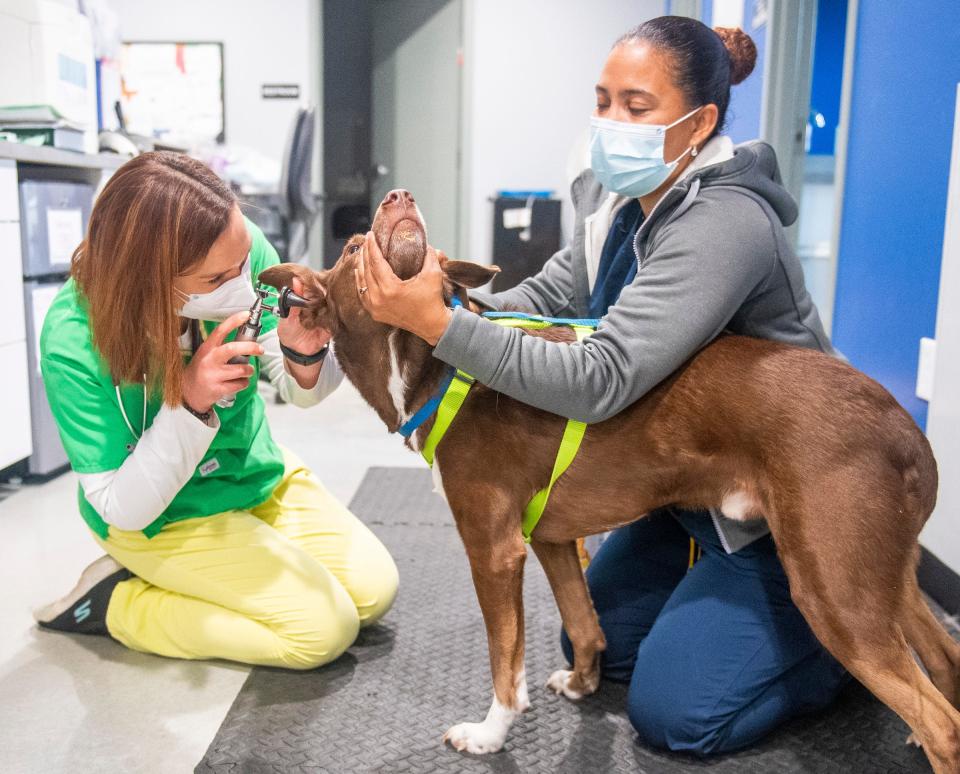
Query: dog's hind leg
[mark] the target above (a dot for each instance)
(875, 651)
(936, 649)
(497, 555)
(850, 589)
(562, 565)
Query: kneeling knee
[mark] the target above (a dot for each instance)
(375, 594)
(321, 641)
(663, 721)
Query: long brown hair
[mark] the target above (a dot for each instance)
(156, 218)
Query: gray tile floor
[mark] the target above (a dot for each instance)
(86, 704)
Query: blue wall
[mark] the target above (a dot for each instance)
(827, 74)
(743, 115)
(907, 65)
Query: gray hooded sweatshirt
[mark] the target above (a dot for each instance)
(712, 257)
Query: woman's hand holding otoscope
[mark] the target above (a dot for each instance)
(224, 368)
(219, 368)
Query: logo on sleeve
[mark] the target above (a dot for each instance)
(209, 466)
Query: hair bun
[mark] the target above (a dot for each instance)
(742, 51)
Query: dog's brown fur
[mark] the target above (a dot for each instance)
(840, 471)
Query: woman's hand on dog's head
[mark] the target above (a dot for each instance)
(415, 304)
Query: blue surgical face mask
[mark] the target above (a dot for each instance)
(628, 158)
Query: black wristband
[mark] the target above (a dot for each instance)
(305, 360)
(202, 416)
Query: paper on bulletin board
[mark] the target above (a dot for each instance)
(42, 297)
(64, 233)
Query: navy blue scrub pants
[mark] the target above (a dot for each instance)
(717, 655)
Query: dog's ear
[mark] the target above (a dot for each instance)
(468, 275)
(319, 313)
(282, 275)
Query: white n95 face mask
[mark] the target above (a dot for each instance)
(628, 158)
(234, 295)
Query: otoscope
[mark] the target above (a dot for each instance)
(284, 300)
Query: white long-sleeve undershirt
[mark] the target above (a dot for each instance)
(169, 451)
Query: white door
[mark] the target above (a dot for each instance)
(942, 534)
(416, 109)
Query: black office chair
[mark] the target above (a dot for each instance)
(297, 204)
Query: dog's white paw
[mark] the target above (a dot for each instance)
(477, 738)
(914, 740)
(559, 683)
(485, 737)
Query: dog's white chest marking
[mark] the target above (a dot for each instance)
(489, 736)
(740, 506)
(437, 479)
(395, 384)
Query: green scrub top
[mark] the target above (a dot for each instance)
(240, 469)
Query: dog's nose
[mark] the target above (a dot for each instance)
(399, 195)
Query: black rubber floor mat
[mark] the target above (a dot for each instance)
(384, 706)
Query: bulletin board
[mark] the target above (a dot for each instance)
(174, 91)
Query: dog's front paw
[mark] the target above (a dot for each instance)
(562, 682)
(477, 738)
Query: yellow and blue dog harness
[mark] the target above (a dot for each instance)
(455, 387)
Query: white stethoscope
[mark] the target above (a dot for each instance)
(126, 419)
(123, 411)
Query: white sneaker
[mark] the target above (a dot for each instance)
(84, 609)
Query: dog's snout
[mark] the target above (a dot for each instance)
(399, 196)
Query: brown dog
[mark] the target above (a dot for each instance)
(842, 474)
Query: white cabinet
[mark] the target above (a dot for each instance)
(11, 280)
(9, 201)
(25, 431)
(15, 439)
(15, 443)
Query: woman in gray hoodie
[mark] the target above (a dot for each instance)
(678, 237)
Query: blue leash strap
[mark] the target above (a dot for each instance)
(429, 408)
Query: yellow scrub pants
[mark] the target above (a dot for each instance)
(286, 584)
